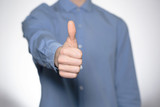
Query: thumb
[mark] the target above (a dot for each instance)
(71, 30)
(71, 40)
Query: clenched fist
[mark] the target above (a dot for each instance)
(68, 58)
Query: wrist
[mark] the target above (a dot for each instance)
(56, 56)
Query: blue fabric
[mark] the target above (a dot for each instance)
(107, 77)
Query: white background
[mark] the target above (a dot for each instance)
(19, 81)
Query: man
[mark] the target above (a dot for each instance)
(58, 35)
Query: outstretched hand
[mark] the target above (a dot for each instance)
(68, 58)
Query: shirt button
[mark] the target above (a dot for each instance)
(79, 46)
(79, 25)
(81, 87)
(81, 67)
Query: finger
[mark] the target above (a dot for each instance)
(67, 74)
(69, 68)
(71, 30)
(72, 52)
(63, 59)
(71, 39)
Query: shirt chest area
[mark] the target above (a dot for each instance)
(96, 36)
(94, 39)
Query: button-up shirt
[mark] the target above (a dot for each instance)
(107, 77)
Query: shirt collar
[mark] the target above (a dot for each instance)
(68, 5)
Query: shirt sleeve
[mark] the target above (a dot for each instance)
(40, 34)
(126, 82)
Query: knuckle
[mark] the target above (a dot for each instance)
(62, 51)
(80, 53)
(80, 62)
(62, 59)
(60, 67)
(74, 75)
(59, 59)
(77, 69)
(61, 74)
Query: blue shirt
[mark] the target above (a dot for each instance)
(107, 77)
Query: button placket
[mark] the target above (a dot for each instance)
(81, 67)
(80, 46)
(81, 87)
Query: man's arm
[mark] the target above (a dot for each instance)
(126, 82)
(40, 34)
(46, 51)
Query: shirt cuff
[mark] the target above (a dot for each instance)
(51, 59)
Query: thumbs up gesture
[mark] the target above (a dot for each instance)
(68, 58)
